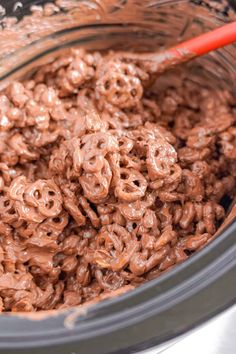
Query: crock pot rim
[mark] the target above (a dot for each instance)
(51, 331)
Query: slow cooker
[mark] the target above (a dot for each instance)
(159, 311)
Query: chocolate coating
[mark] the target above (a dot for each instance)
(106, 180)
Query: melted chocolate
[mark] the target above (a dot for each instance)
(107, 180)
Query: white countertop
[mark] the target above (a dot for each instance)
(217, 336)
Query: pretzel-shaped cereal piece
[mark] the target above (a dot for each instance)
(96, 185)
(110, 280)
(160, 157)
(125, 145)
(95, 147)
(93, 162)
(115, 247)
(169, 183)
(104, 142)
(7, 210)
(172, 181)
(45, 196)
(131, 186)
(132, 211)
(16, 192)
(119, 84)
(53, 226)
(28, 213)
(17, 188)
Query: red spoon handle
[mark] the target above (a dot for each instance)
(205, 43)
(185, 51)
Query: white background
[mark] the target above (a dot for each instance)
(217, 336)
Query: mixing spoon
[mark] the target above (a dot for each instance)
(185, 51)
